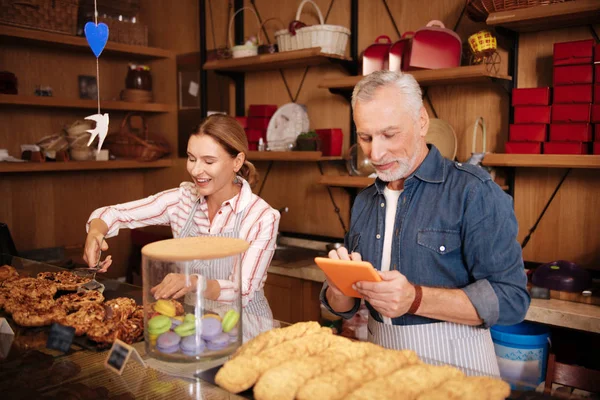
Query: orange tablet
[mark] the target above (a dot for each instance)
(344, 273)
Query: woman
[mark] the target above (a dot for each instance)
(218, 201)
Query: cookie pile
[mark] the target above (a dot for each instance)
(305, 361)
(170, 331)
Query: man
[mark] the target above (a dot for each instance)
(442, 234)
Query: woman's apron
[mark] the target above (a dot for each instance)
(467, 347)
(256, 316)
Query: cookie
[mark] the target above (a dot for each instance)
(74, 301)
(7, 272)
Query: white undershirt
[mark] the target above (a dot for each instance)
(391, 201)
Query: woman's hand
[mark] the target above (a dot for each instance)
(174, 286)
(91, 253)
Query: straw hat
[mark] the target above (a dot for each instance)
(441, 134)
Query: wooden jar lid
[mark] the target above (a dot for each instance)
(195, 248)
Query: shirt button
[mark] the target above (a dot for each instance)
(220, 212)
(382, 205)
(378, 236)
(442, 248)
(459, 164)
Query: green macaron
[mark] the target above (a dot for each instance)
(159, 324)
(186, 329)
(189, 318)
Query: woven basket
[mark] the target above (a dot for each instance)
(141, 146)
(243, 50)
(478, 10)
(46, 15)
(332, 39)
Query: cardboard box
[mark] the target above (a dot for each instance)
(571, 112)
(596, 113)
(523, 148)
(573, 94)
(331, 141)
(573, 75)
(571, 132)
(261, 110)
(574, 53)
(531, 96)
(258, 122)
(532, 114)
(528, 132)
(566, 148)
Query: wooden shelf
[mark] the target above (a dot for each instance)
(289, 156)
(265, 62)
(8, 167)
(57, 102)
(346, 181)
(553, 16)
(432, 77)
(542, 160)
(14, 35)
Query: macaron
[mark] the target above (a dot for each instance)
(233, 334)
(230, 319)
(219, 342)
(212, 315)
(168, 342)
(192, 345)
(185, 329)
(159, 324)
(210, 328)
(189, 318)
(152, 339)
(175, 323)
(165, 307)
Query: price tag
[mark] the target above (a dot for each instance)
(7, 336)
(119, 355)
(60, 337)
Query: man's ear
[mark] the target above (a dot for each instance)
(238, 161)
(423, 122)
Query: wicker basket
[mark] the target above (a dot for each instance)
(478, 10)
(46, 15)
(126, 32)
(332, 39)
(243, 50)
(141, 146)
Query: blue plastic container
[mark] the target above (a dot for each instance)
(522, 352)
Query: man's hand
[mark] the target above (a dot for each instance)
(173, 286)
(341, 254)
(392, 297)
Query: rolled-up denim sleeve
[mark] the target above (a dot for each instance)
(346, 315)
(494, 257)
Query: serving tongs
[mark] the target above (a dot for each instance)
(91, 271)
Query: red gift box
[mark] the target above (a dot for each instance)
(531, 96)
(597, 73)
(243, 121)
(571, 112)
(261, 110)
(597, 148)
(258, 122)
(523, 148)
(597, 53)
(596, 113)
(331, 141)
(566, 148)
(597, 133)
(573, 75)
(532, 114)
(571, 132)
(573, 94)
(254, 135)
(572, 53)
(527, 133)
(597, 93)
(253, 146)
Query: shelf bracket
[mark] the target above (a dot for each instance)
(350, 66)
(506, 85)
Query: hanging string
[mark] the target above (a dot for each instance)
(97, 62)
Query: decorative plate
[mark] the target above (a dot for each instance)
(286, 124)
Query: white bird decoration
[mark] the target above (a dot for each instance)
(101, 129)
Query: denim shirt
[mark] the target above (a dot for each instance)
(454, 228)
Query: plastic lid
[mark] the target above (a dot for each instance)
(195, 248)
(524, 333)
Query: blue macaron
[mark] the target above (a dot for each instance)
(168, 342)
(233, 334)
(192, 345)
(211, 328)
(219, 342)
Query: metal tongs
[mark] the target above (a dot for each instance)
(93, 284)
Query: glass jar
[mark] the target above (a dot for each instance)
(201, 325)
(139, 77)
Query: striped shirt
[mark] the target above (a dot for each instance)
(172, 207)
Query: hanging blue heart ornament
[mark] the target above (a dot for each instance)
(97, 36)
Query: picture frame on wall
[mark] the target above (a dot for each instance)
(88, 87)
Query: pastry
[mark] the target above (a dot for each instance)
(43, 317)
(469, 388)
(64, 280)
(74, 301)
(168, 342)
(83, 318)
(7, 272)
(120, 309)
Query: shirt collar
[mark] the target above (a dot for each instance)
(238, 202)
(431, 170)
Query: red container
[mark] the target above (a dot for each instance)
(597, 73)
(376, 56)
(596, 113)
(254, 135)
(243, 121)
(571, 112)
(597, 132)
(331, 141)
(597, 148)
(398, 51)
(253, 146)
(433, 47)
(597, 93)
(532, 114)
(261, 110)
(527, 133)
(573, 53)
(531, 96)
(571, 132)
(523, 148)
(573, 94)
(566, 148)
(258, 122)
(573, 75)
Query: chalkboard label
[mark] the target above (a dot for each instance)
(60, 337)
(119, 355)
